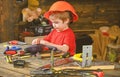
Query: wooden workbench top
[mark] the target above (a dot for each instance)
(8, 70)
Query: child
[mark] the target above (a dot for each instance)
(61, 14)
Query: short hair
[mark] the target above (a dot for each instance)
(62, 15)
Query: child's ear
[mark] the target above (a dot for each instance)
(67, 20)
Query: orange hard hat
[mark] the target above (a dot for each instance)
(62, 6)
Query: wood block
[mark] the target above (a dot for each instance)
(29, 40)
(48, 55)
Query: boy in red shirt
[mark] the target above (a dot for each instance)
(61, 14)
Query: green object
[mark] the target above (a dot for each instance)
(65, 55)
(8, 58)
(112, 56)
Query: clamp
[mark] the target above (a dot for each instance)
(52, 58)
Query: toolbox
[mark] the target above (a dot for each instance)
(42, 30)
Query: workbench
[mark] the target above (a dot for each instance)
(8, 70)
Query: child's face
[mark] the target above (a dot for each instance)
(58, 24)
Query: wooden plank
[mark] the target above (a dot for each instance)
(85, 30)
(12, 73)
(29, 40)
(47, 55)
(24, 71)
(104, 67)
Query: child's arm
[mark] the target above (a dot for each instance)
(63, 48)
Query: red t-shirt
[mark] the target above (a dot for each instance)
(65, 37)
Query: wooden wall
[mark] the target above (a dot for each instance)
(10, 14)
(92, 15)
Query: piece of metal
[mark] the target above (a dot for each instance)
(52, 59)
(86, 55)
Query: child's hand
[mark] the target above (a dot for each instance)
(36, 41)
(43, 42)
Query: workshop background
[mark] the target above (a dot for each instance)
(98, 23)
(93, 14)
